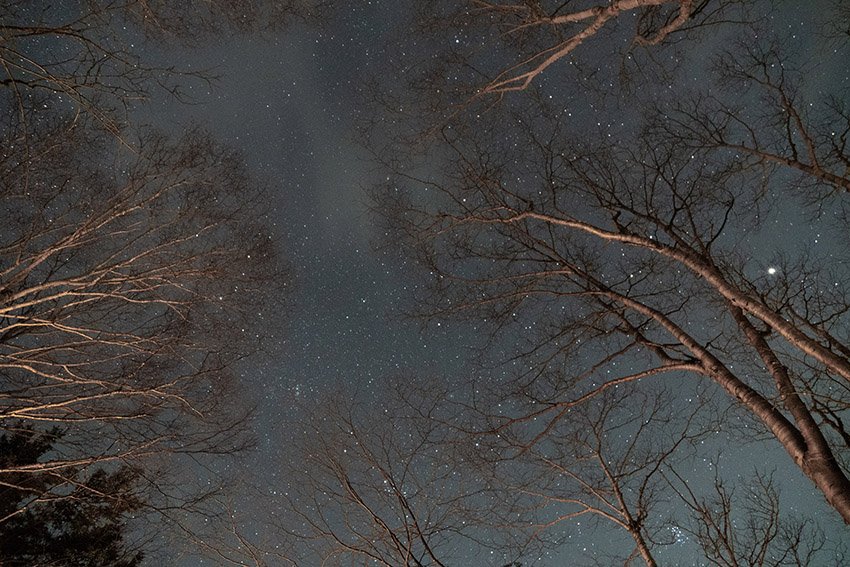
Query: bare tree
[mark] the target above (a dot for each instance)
(376, 486)
(752, 529)
(454, 60)
(546, 32)
(625, 253)
(431, 476)
(837, 25)
(621, 252)
(791, 127)
(599, 471)
(132, 283)
(136, 272)
(95, 56)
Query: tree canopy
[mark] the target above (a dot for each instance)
(66, 517)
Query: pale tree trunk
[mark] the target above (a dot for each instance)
(811, 451)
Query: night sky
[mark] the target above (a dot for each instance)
(291, 101)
